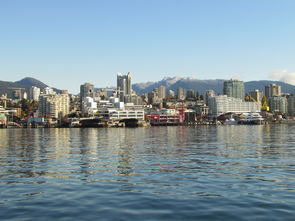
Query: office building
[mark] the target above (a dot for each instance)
(234, 88)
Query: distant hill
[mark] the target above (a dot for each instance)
(6, 87)
(201, 86)
(29, 82)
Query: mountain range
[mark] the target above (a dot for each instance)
(171, 83)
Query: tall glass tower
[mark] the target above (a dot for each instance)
(234, 88)
(124, 86)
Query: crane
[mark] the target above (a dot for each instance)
(264, 106)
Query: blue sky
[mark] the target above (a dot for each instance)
(65, 43)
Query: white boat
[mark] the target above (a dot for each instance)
(251, 118)
(230, 121)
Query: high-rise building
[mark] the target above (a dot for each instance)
(86, 90)
(162, 92)
(207, 95)
(277, 103)
(256, 95)
(34, 93)
(273, 90)
(181, 94)
(234, 88)
(54, 105)
(191, 94)
(124, 87)
(291, 105)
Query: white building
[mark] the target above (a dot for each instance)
(89, 106)
(54, 106)
(223, 104)
(34, 93)
(48, 90)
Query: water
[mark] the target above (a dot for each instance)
(158, 173)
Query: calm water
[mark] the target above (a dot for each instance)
(158, 173)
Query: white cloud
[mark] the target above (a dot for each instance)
(283, 75)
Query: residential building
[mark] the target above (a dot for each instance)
(34, 93)
(48, 90)
(124, 87)
(181, 94)
(234, 88)
(53, 105)
(278, 104)
(273, 90)
(207, 95)
(291, 105)
(162, 92)
(223, 104)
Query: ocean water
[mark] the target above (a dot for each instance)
(158, 173)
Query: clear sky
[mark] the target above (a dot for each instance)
(65, 43)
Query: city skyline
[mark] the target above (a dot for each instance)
(65, 44)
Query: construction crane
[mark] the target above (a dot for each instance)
(264, 106)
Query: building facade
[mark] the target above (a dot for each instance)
(34, 93)
(273, 90)
(181, 94)
(278, 104)
(54, 105)
(162, 92)
(223, 104)
(124, 87)
(234, 88)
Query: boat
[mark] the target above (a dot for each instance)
(230, 121)
(251, 118)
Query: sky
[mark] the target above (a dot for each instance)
(65, 43)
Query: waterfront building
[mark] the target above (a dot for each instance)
(124, 87)
(273, 90)
(256, 95)
(181, 95)
(234, 88)
(291, 105)
(278, 104)
(223, 104)
(119, 111)
(207, 95)
(34, 93)
(53, 105)
(162, 92)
